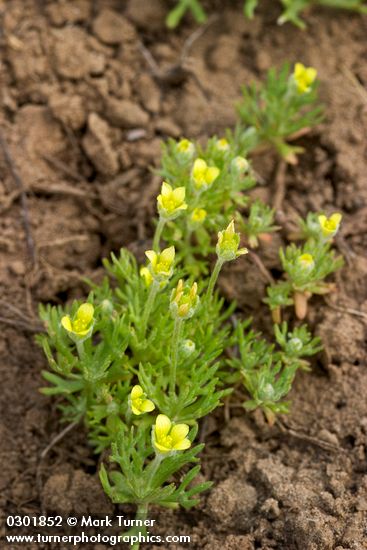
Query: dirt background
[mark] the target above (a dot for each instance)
(83, 119)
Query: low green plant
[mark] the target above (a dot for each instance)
(183, 6)
(144, 358)
(282, 108)
(293, 9)
(306, 266)
(268, 370)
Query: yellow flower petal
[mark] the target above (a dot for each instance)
(182, 445)
(136, 392)
(85, 313)
(152, 256)
(179, 194)
(336, 218)
(162, 426)
(147, 406)
(211, 174)
(168, 255)
(66, 323)
(135, 410)
(199, 168)
(166, 189)
(162, 448)
(179, 432)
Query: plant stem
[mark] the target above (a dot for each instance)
(158, 233)
(141, 514)
(148, 306)
(214, 278)
(80, 349)
(175, 345)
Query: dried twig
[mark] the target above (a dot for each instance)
(307, 438)
(259, 263)
(279, 185)
(23, 197)
(58, 438)
(21, 325)
(62, 167)
(177, 72)
(343, 309)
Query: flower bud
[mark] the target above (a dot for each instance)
(184, 300)
(306, 262)
(228, 243)
(187, 348)
(222, 145)
(185, 149)
(198, 216)
(239, 166)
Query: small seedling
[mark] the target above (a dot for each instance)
(282, 108)
(292, 9)
(306, 267)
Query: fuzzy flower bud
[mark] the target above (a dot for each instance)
(222, 145)
(185, 149)
(239, 166)
(138, 402)
(161, 263)
(330, 226)
(184, 300)
(294, 345)
(304, 77)
(228, 243)
(81, 326)
(306, 262)
(203, 175)
(168, 438)
(171, 201)
(187, 348)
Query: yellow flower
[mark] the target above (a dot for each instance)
(82, 323)
(184, 300)
(330, 226)
(222, 145)
(306, 261)
(203, 175)
(138, 401)
(304, 77)
(198, 215)
(146, 275)
(228, 243)
(168, 438)
(171, 201)
(161, 263)
(185, 148)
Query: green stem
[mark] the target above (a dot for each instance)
(141, 513)
(158, 233)
(149, 305)
(213, 278)
(174, 357)
(80, 349)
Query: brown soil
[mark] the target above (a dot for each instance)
(83, 119)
